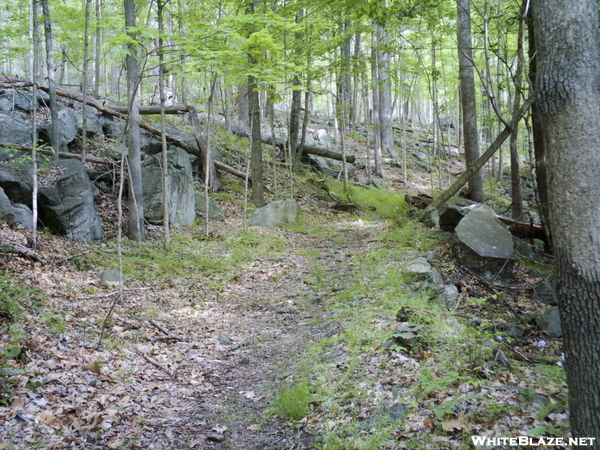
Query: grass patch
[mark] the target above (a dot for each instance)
(292, 401)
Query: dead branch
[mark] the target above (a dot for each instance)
(21, 250)
(46, 151)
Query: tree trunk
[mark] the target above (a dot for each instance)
(539, 146)
(568, 76)
(134, 161)
(54, 140)
(385, 94)
(163, 126)
(85, 77)
(515, 172)
(256, 163)
(97, 54)
(468, 100)
(378, 168)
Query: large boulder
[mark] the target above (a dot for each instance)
(14, 213)
(214, 212)
(16, 101)
(67, 129)
(182, 196)
(13, 131)
(484, 245)
(331, 167)
(6, 210)
(67, 207)
(275, 213)
(93, 124)
(17, 182)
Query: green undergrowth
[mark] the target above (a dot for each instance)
(191, 255)
(353, 377)
(386, 203)
(18, 304)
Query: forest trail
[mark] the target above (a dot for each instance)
(253, 334)
(184, 364)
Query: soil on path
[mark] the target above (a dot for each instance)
(201, 372)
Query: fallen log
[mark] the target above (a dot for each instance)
(420, 201)
(517, 228)
(21, 250)
(64, 155)
(282, 143)
(170, 139)
(460, 182)
(149, 110)
(524, 230)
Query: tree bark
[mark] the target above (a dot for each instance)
(467, 94)
(54, 140)
(567, 81)
(256, 163)
(385, 94)
(134, 161)
(515, 172)
(539, 147)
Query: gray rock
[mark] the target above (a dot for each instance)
(93, 125)
(111, 276)
(550, 322)
(13, 131)
(276, 213)
(67, 128)
(16, 101)
(16, 183)
(510, 329)
(23, 215)
(448, 296)
(224, 340)
(112, 128)
(421, 156)
(377, 182)
(214, 213)
(419, 266)
(331, 167)
(324, 138)
(484, 245)
(68, 206)
(150, 144)
(215, 437)
(545, 292)
(182, 196)
(6, 210)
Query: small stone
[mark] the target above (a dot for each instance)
(215, 437)
(224, 340)
(111, 276)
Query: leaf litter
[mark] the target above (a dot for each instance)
(188, 365)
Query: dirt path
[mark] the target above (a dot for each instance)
(237, 345)
(255, 332)
(183, 365)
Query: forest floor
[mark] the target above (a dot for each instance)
(266, 338)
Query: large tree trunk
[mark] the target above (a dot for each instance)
(568, 76)
(54, 140)
(515, 172)
(385, 94)
(134, 161)
(256, 163)
(378, 167)
(539, 147)
(467, 95)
